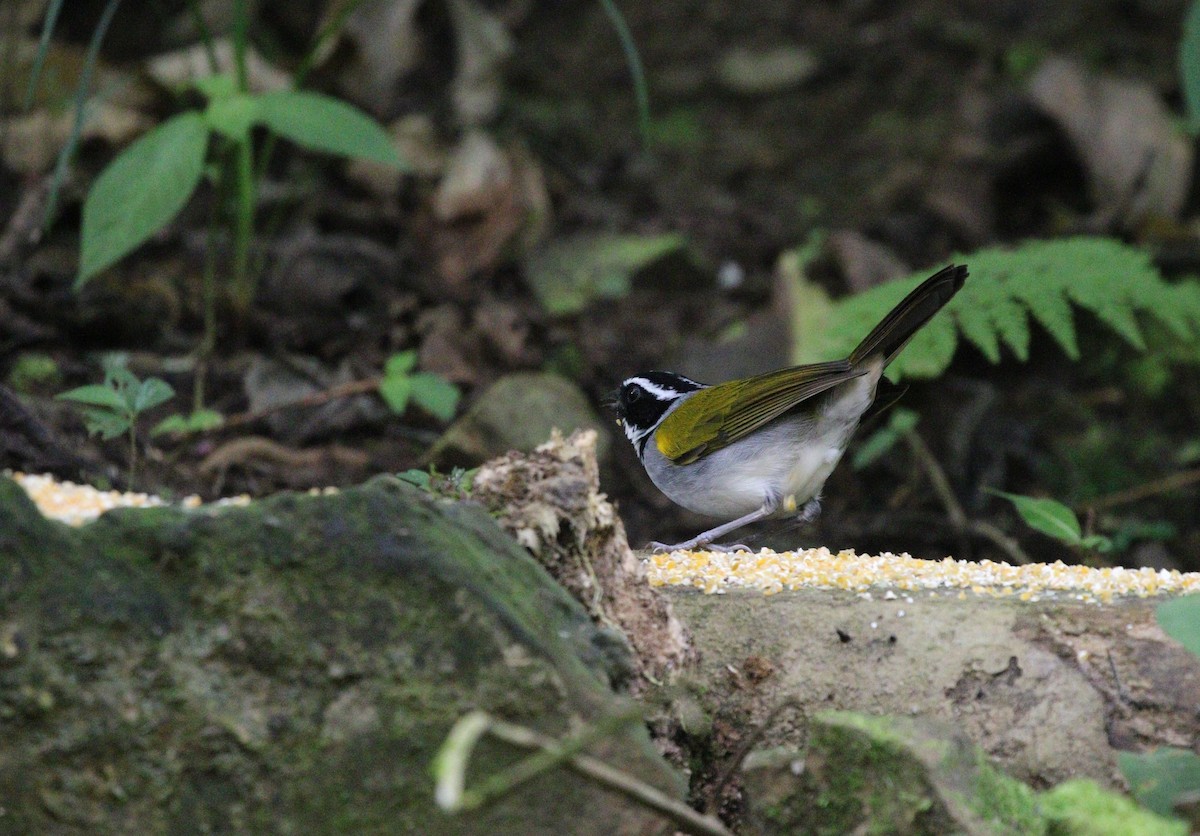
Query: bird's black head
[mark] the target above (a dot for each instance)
(642, 400)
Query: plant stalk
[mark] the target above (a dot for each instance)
(243, 282)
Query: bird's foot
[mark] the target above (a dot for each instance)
(810, 511)
(697, 544)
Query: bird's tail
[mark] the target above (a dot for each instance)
(889, 337)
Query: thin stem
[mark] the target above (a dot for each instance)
(954, 510)
(132, 454)
(641, 90)
(243, 226)
(307, 62)
(615, 779)
(451, 764)
(81, 96)
(43, 48)
(241, 26)
(206, 36)
(208, 343)
(1166, 484)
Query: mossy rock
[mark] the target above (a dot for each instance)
(290, 667)
(1084, 808)
(862, 774)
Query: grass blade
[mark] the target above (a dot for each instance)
(81, 95)
(39, 58)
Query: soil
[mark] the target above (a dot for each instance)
(911, 136)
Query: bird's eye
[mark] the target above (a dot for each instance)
(634, 395)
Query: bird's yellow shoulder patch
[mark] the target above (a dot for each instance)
(687, 432)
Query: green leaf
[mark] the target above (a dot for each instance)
(95, 394)
(105, 423)
(395, 392)
(218, 86)
(435, 394)
(400, 363)
(1046, 515)
(1097, 542)
(1180, 619)
(323, 123)
(141, 191)
(199, 421)
(1040, 280)
(183, 425)
(1189, 67)
(150, 393)
(232, 115)
(570, 273)
(884, 439)
(420, 478)
(1159, 777)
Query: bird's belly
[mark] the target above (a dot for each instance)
(786, 461)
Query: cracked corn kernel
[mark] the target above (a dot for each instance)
(772, 572)
(78, 504)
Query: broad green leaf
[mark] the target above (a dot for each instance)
(95, 395)
(232, 115)
(568, 274)
(1180, 619)
(219, 86)
(1158, 778)
(435, 394)
(1096, 542)
(104, 423)
(141, 191)
(1047, 516)
(150, 393)
(1189, 67)
(323, 123)
(395, 392)
(420, 478)
(400, 363)
(198, 421)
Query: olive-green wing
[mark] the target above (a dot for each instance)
(720, 415)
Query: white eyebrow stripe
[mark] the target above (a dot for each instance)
(660, 392)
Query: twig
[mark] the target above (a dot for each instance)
(751, 740)
(1164, 485)
(1000, 540)
(954, 510)
(343, 390)
(451, 763)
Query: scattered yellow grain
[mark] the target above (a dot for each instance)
(772, 572)
(78, 504)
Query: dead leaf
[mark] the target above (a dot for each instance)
(478, 174)
(384, 44)
(183, 66)
(488, 200)
(418, 143)
(31, 142)
(483, 45)
(864, 263)
(448, 347)
(763, 72)
(1138, 162)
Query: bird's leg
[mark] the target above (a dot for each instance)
(769, 507)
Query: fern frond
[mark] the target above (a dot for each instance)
(1041, 280)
